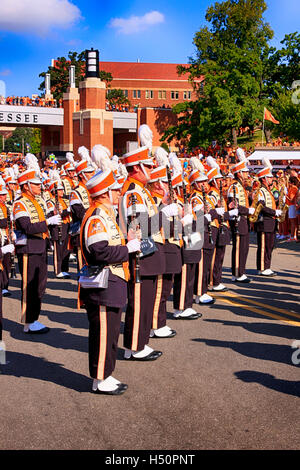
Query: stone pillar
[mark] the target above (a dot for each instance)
(92, 124)
(70, 105)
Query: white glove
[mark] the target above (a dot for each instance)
(233, 212)
(220, 210)
(278, 212)
(171, 210)
(251, 210)
(187, 219)
(208, 217)
(8, 249)
(134, 245)
(54, 220)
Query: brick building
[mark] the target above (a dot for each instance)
(149, 85)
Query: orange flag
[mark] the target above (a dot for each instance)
(269, 117)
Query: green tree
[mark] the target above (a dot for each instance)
(115, 97)
(227, 73)
(59, 73)
(25, 139)
(288, 114)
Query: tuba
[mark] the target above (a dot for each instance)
(257, 205)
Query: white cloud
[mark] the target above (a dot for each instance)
(37, 16)
(135, 24)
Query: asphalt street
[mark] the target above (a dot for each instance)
(229, 380)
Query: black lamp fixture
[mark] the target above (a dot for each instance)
(91, 63)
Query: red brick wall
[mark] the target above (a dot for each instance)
(155, 86)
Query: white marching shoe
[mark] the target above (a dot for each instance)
(146, 354)
(63, 275)
(219, 288)
(108, 386)
(242, 278)
(204, 299)
(187, 314)
(267, 272)
(35, 328)
(163, 332)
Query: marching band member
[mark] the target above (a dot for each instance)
(69, 177)
(80, 199)
(266, 224)
(31, 245)
(5, 213)
(137, 203)
(215, 180)
(238, 198)
(58, 205)
(158, 187)
(201, 203)
(103, 246)
(183, 288)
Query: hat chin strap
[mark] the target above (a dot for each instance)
(110, 196)
(144, 171)
(29, 187)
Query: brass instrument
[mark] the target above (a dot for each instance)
(137, 275)
(185, 201)
(282, 205)
(206, 211)
(236, 223)
(257, 206)
(57, 209)
(171, 193)
(13, 274)
(222, 205)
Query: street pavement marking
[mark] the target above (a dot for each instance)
(256, 310)
(260, 304)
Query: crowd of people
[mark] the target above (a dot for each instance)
(139, 226)
(33, 101)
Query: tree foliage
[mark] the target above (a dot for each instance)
(234, 72)
(115, 96)
(26, 138)
(59, 73)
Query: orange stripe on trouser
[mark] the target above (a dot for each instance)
(237, 255)
(200, 277)
(136, 318)
(55, 261)
(183, 287)
(102, 343)
(262, 253)
(24, 288)
(157, 301)
(212, 267)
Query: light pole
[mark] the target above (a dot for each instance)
(91, 63)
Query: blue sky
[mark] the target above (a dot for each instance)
(32, 32)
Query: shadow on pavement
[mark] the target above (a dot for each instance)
(271, 329)
(279, 353)
(289, 387)
(26, 365)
